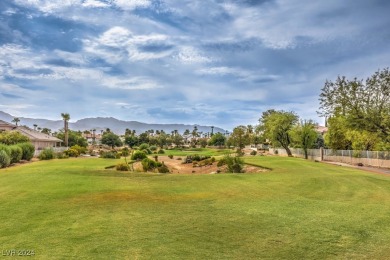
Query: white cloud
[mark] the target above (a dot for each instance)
(135, 83)
(94, 3)
(118, 43)
(190, 55)
(280, 25)
(49, 6)
(132, 4)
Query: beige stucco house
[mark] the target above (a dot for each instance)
(38, 139)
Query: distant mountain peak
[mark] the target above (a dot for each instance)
(101, 123)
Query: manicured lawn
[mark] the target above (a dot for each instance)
(301, 210)
(199, 151)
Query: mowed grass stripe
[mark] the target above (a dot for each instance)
(300, 209)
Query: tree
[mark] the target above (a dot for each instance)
(177, 140)
(66, 118)
(365, 105)
(35, 126)
(305, 135)
(239, 137)
(16, 120)
(217, 139)
(277, 126)
(12, 137)
(131, 140)
(111, 139)
(46, 131)
(74, 138)
(336, 138)
(203, 142)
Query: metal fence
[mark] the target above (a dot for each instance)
(354, 157)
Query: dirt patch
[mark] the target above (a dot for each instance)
(176, 165)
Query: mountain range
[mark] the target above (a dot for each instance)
(102, 123)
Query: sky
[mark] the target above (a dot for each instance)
(206, 62)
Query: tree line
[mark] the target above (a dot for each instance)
(356, 111)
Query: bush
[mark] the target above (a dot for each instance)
(163, 169)
(253, 152)
(234, 164)
(221, 163)
(143, 146)
(16, 153)
(170, 156)
(28, 151)
(6, 149)
(72, 152)
(122, 167)
(149, 165)
(108, 155)
(153, 148)
(61, 155)
(138, 155)
(147, 151)
(5, 159)
(125, 152)
(79, 149)
(161, 151)
(47, 154)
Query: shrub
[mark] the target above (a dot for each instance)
(125, 152)
(221, 163)
(138, 155)
(153, 148)
(196, 157)
(161, 151)
(108, 155)
(5, 159)
(143, 146)
(253, 152)
(28, 151)
(234, 164)
(163, 169)
(47, 154)
(71, 152)
(79, 149)
(16, 153)
(170, 156)
(149, 165)
(5, 148)
(61, 155)
(212, 159)
(147, 151)
(122, 167)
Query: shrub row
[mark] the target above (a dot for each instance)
(15, 153)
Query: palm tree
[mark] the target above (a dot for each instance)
(16, 120)
(212, 130)
(93, 136)
(66, 118)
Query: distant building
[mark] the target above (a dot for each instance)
(38, 139)
(93, 138)
(321, 129)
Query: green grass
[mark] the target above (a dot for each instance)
(199, 151)
(300, 210)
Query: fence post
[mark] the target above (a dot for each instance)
(321, 154)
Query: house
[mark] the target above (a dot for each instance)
(93, 138)
(38, 139)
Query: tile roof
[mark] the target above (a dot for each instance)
(35, 135)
